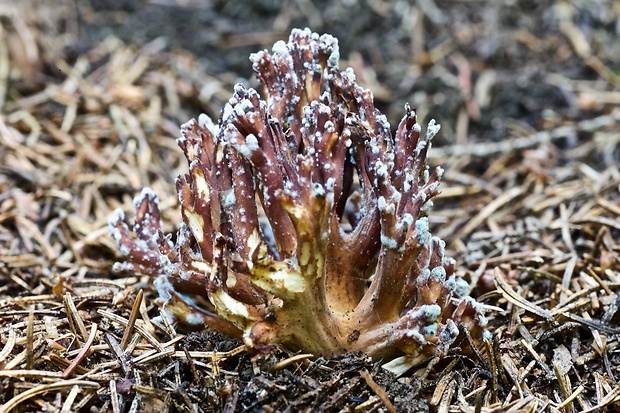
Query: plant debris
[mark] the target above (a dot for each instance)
(530, 207)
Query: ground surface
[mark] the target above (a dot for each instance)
(528, 94)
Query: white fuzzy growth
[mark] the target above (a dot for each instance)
(417, 128)
(206, 122)
(424, 319)
(227, 112)
(324, 109)
(164, 287)
(117, 216)
(383, 122)
(258, 58)
(420, 147)
(440, 172)
(349, 74)
(421, 226)
(389, 243)
(405, 222)
(194, 318)
(381, 169)
(407, 183)
(424, 276)
(146, 193)
(381, 203)
(334, 57)
(252, 142)
(329, 126)
(203, 119)
(439, 273)
(329, 185)
(427, 206)
(432, 129)
(396, 196)
(318, 190)
(229, 198)
(461, 287)
(239, 89)
(188, 125)
(280, 47)
(428, 313)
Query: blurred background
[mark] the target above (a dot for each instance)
(484, 69)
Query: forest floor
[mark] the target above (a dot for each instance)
(92, 93)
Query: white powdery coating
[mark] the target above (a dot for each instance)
(427, 206)
(382, 120)
(381, 203)
(329, 126)
(421, 226)
(324, 109)
(349, 75)
(334, 57)
(229, 198)
(280, 47)
(440, 171)
(117, 216)
(329, 186)
(194, 318)
(389, 242)
(250, 145)
(461, 287)
(227, 112)
(188, 125)
(407, 183)
(447, 334)
(432, 129)
(405, 222)
(420, 147)
(381, 169)
(205, 121)
(164, 287)
(146, 192)
(318, 190)
(439, 273)
(427, 312)
(424, 319)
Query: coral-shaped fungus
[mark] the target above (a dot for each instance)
(304, 220)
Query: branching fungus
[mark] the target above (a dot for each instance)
(304, 220)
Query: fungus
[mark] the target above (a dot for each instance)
(305, 220)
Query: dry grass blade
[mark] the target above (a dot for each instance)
(135, 310)
(8, 346)
(62, 385)
(291, 360)
(379, 391)
(510, 295)
(83, 352)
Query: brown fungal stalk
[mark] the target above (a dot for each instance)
(304, 220)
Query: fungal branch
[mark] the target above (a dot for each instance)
(305, 221)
